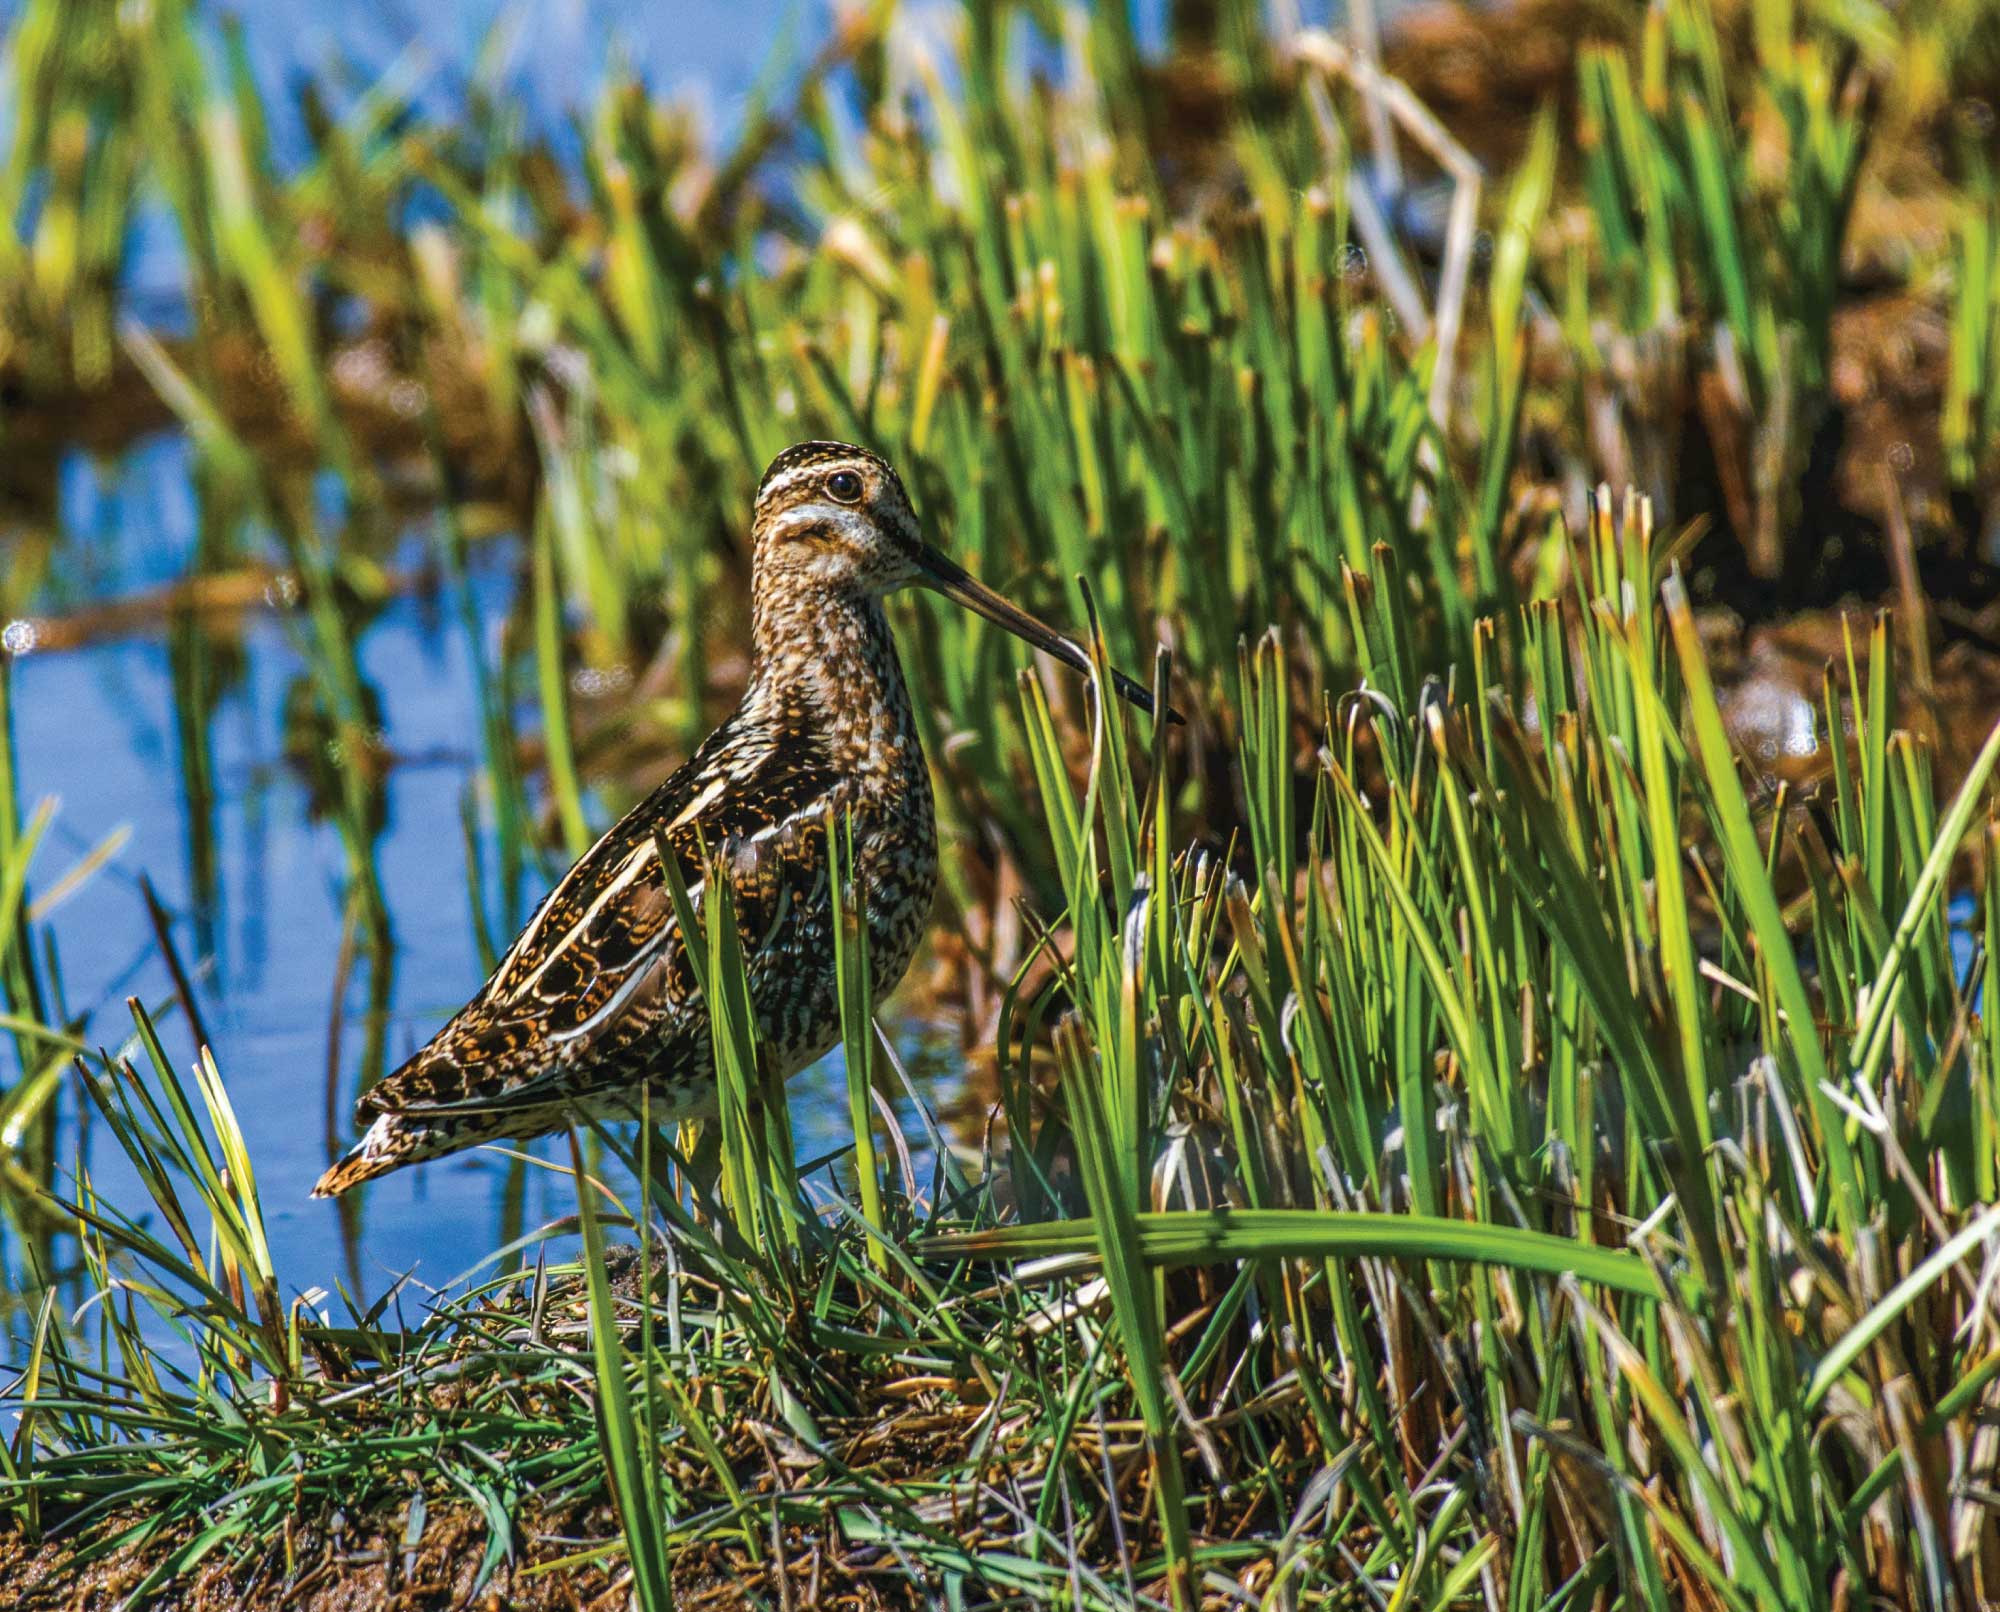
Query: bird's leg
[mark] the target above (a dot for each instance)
(703, 1170)
(660, 1156)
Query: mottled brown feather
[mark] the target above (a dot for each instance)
(595, 1002)
(520, 1033)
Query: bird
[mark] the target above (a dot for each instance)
(596, 1008)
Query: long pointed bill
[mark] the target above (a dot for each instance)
(962, 587)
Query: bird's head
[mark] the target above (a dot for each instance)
(831, 516)
(834, 518)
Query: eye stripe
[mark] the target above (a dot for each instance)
(774, 490)
(801, 471)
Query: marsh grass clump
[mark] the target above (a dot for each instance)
(1454, 1131)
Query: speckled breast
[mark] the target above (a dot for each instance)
(898, 861)
(785, 908)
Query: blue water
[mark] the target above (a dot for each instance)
(95, 728)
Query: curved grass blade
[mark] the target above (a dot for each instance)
(1186, 1237)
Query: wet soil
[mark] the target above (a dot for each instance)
(366, 1567)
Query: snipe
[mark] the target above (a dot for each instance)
(596, 1000)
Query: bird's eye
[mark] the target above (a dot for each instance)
(845, 486)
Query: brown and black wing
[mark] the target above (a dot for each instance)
(589, 995)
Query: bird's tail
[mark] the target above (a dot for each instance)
(395, 1140)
